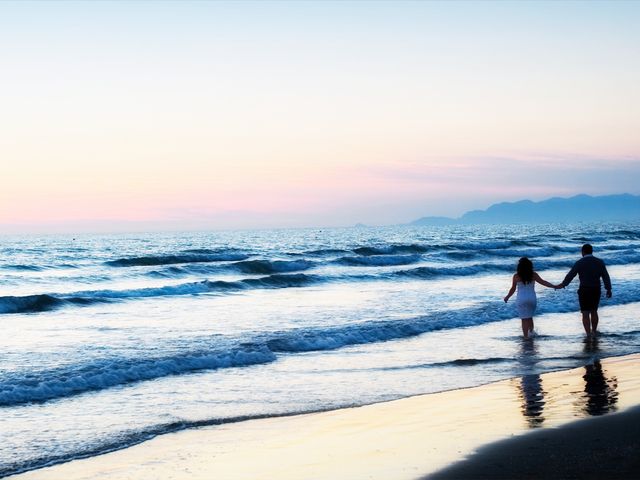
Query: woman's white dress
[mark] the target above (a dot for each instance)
(526, 299)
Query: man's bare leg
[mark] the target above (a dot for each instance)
(594, 321)
(586, 322)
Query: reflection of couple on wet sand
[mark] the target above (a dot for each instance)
(600, 390)
(589, 270)
(600, 395)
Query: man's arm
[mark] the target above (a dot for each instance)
(606, 280)
(570, 276)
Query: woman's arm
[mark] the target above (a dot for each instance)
(541, 281)
(513, 288)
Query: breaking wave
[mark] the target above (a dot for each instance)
(272, 266)
(98, 375)
(176, 259)
(379, 260)
(46, 302)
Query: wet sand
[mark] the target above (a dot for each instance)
(412, 437)
(606, 447)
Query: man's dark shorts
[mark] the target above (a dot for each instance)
(589, 298)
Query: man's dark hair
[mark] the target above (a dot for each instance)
(587, 249)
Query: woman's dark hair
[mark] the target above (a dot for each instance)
(525, 270)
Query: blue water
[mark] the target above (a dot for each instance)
(110, 340)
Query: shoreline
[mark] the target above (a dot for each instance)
(406, 438)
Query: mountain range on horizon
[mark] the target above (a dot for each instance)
(580, 208)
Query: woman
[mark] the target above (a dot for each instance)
(524, 279)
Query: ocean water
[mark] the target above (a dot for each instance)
(110, 340)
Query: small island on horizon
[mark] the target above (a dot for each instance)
(579, 208)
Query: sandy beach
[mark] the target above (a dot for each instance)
(540, 426)
(603, 447)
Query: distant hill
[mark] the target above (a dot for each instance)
(581, 208)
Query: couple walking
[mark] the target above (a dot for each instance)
(589, 270)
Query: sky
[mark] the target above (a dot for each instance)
(133, 115)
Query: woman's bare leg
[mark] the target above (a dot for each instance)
(527, 326)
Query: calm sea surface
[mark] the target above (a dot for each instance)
(110, 340)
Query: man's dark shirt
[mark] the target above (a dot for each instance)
(589, 269)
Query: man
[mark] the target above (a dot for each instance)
(589, 269)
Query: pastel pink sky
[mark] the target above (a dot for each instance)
(216, 115)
